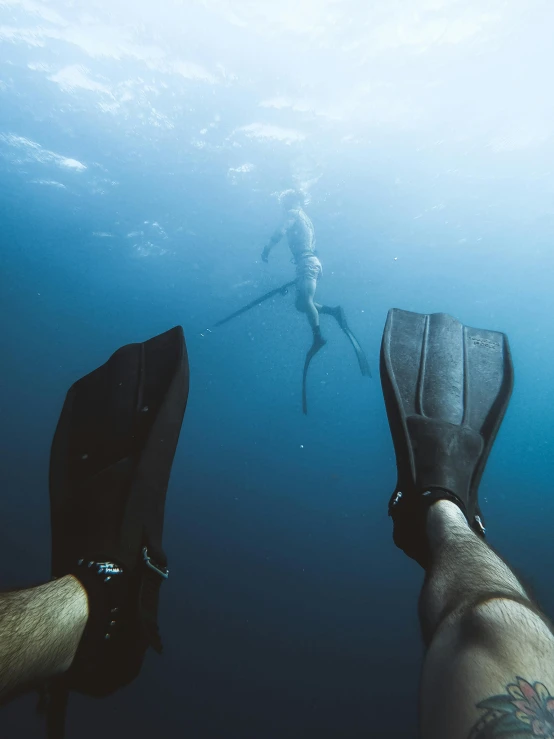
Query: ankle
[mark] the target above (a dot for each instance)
(444, 521)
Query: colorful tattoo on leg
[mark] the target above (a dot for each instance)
(525, 710)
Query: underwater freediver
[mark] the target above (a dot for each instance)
(299, 231)
(488, 671)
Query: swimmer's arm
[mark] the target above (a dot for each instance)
(275, 239)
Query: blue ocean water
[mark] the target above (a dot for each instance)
(141, 149)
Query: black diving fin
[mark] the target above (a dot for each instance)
(446, 388)
(312, 351)
(338, 314)
(109, 469)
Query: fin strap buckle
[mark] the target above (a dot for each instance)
(163, 572)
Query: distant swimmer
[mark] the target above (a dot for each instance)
(299, 230)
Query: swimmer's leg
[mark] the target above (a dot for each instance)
(489, 668)
(40, 630)
(305, 294)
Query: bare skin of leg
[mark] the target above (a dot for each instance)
(489, 668)
(305, 302)
(305, 294)
(40, 630)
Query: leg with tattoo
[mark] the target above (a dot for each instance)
(489, 668)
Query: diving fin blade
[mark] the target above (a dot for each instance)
(446, 388)
(340, 317)
(56, 708)
(312, 351)
(360, 354)
(110, 464)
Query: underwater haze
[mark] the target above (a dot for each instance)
(142, 146)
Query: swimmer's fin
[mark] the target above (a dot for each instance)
(338, 314)
(446, 389)
(109, 469)
(267, 296)
(318, 344)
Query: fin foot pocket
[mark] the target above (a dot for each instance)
(446, 388)
(340, 317)
(109, 469)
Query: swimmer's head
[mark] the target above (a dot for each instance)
(290, 199)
